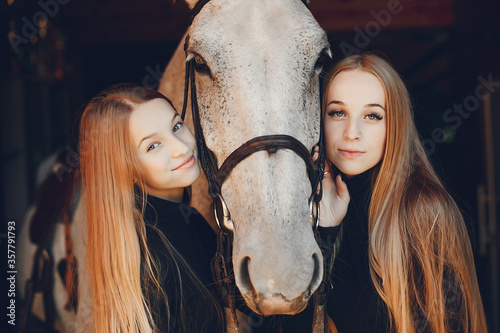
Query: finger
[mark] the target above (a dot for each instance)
(342, 188)
(315, 156)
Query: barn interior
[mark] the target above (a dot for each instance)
(56, 54)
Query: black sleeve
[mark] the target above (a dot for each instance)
(328, 235)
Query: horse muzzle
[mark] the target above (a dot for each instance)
(273, 288)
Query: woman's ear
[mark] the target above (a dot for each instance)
(136, 176)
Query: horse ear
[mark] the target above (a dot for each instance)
(191, 3)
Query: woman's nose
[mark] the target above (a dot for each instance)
(352, 131)
(178, 147)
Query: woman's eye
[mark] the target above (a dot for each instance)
(374, 116)
(336, 113)
(153, 146)
(178, 126)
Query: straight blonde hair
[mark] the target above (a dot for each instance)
(124, 274)
(420, 256)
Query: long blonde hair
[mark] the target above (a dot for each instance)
(420, 256)
(124, 274)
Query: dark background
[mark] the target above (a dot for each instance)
(440, 47)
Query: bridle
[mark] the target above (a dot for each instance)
(269, 143)
(222, 263)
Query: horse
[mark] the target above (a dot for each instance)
(47, 244)
(256, 65)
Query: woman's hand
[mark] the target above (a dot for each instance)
(333, 205)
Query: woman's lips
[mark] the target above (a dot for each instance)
(347, 153)
(189, 162)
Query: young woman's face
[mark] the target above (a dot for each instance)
(355, 122)
(165, 147)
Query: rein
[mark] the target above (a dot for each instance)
(222, 262)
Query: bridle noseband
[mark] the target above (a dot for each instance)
(271, 144)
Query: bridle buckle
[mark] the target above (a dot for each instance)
(314, 213)
(224, 221)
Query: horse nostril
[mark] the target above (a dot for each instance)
(245, 284)
(316, 278)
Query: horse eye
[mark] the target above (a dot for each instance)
(199, 60)
(199, 64)
(325, 53)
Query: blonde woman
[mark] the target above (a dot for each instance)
(405, 262)
(148, 254)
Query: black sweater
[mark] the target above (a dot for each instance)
(189, 233)
(353, 302)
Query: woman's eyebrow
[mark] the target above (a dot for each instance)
(336, 102)
(371, 105)
(155, 133)
(146, 137)
(175, 116)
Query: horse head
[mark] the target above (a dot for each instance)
(257, 66)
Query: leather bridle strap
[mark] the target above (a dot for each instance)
(270, 143)
(197, 8)
(207, 159)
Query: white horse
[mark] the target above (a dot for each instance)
(258, 65)
(258, 74)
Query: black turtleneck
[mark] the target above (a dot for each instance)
(353, 302)
(186, 230)
(191, 236)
